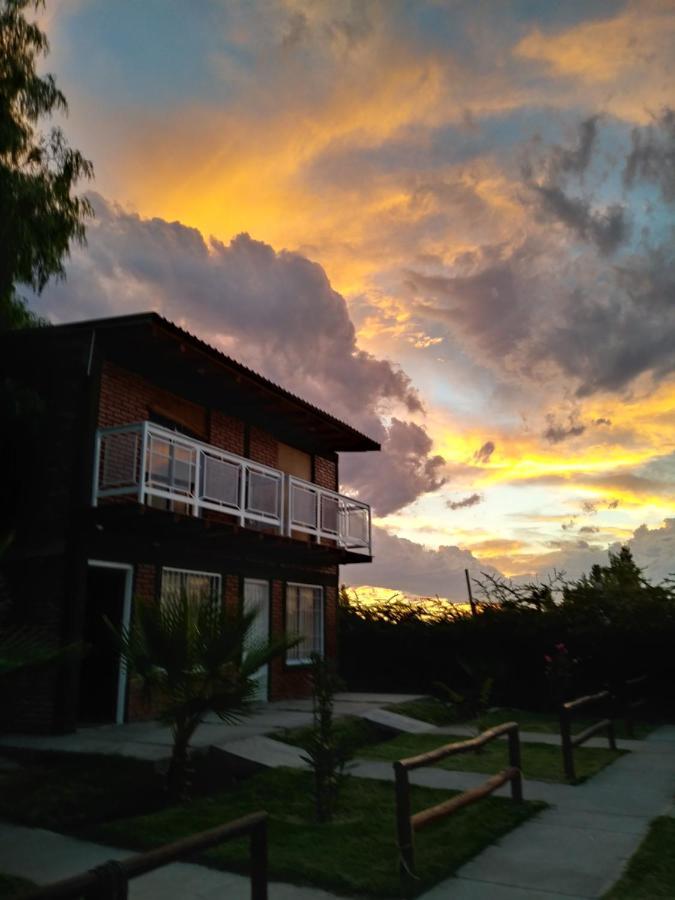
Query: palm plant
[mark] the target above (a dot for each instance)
(193, 658)
(22, 647)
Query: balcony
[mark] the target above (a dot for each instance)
(157, 466)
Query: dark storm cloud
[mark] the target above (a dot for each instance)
(471, 500)
(548, 179)
(652, 157)
(606, 228)
(576, 159)
(557, 433)
(554, 305)
(276, 312)
(483, 454)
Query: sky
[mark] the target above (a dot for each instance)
(449, 223)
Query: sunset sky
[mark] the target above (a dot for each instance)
(449, 223)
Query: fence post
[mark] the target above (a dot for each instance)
(259, 861)
(110, 882)
(514, 762)
(611, 736)
(566, 744)
(404, 829)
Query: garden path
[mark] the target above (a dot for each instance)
(576, 848)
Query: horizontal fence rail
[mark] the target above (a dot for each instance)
(110, 881)
(569, 741)
(407, 823)
(167, 469)
(634, 697)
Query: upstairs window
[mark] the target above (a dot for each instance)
(304, 616)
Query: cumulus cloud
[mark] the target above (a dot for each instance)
(276, 312)
(471, 500)
(484, 452)
(408, 469)
(404, 565)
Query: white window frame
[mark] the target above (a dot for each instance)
(305, 660)
(218, 579)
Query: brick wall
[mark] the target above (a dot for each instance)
(227, 433)
(263, 448)
(326, 472)
(232, 592)
(126, 397)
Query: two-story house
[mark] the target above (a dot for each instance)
(156, 464)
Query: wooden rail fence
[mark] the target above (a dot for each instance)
(569, 741)
(631, 702)
(407, 823)
(110, 881)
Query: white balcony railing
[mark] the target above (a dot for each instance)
(157, 465)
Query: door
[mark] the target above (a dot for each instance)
(103, 674)
(257, 598)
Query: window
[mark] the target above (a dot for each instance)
(304, 616)
(196, 586)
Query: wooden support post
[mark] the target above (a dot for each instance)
(404, 832)
(259, 861)
(514, 763)
(566, 744)
(472, 602)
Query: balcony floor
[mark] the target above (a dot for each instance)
(133, 528)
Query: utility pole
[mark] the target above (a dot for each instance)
(472, 602)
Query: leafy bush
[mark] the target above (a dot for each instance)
(613, 624)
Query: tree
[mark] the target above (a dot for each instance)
(193, 658)
(39, 214)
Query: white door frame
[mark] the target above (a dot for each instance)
(265, 678)
(126, 618)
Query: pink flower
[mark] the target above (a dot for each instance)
(548, 659)
(561, 648)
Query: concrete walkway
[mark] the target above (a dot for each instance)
(152, 741)
(45, 857)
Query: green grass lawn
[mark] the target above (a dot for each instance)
(547, 723)
(426, 709)
(539, 761)
(12, 888)
(355, 854)
(435, 712)
(350, 732)
(650, 874)
(64, 791)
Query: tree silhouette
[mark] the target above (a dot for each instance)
(39, 214)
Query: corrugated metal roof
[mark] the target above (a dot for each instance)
(157, 319)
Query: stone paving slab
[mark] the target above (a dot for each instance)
(396, 722)
(554, 858)
(462, 889)
(265, 752)
(44, 857)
